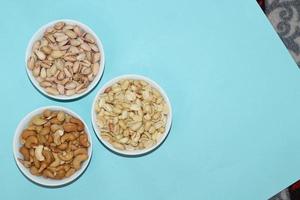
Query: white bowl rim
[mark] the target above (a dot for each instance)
(92, 85)
(134, 152)
(39, 179)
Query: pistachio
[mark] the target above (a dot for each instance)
(65, 53)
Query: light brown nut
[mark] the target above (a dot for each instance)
(89, 38)
(71, 85)
(34, 171)
(59, 25)
(55, 127)
(26, 164)
(83, 140)
(31, 141)
(57, 54)
(118, 145)
(49, 158)
(69, 127)
(45, 84)
(36, 71)
(60, 89)
(42, 167)
(57, 136)
(40, 55)
(47, 50)
(75, 42)
(67, 137)
(60, 174)
(47, 174)
(85, 47)
(95, 68)
(63, 146)
(31, 62)
(70, 33)
(78, 160)
(38, 153)
(38, 121)
(52, 90)
(25, 153)
(80, 151)
(66, 156)
(61, 116)
(56, 161)
(26, 133)
(70, 172)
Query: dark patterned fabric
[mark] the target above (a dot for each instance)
(285, 18)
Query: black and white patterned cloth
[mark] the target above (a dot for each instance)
(285, 17)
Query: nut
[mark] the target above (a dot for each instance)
(131, 114)
(54, 145)
(64, 58)
(70, 127)
(38, 153)
(78, 160)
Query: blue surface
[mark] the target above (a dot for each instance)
(232, 84)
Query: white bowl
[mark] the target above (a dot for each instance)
(39, 179)
(39, 33)
(132, 152)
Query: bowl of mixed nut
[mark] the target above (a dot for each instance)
(131, 115)
(64, 59)
(52, 146)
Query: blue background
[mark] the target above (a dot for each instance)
(233, 86)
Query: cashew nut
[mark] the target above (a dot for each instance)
(26, 164)
(78, 160)
(47, 113)
(80, 151)
(80, 126)
(60, 174)
(56, 161)
(83, 139)
(42, 167)
(55, 121)
(55, 127)
(63, 146)
(61, 116)
(42, 139)
(25, 152)
(38, 153)
(67, 137)
(34, 171)
(70, 127)
(57, 135)
(70, 172)
(45, 130)
(27, 133)
(38, 121)
(54, 145)
(47, 174)
(48, 156)
(66, 156)
(36, 163)
(31, 141)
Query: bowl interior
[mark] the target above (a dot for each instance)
(153, 84)
(16, 145)
(39, 33)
